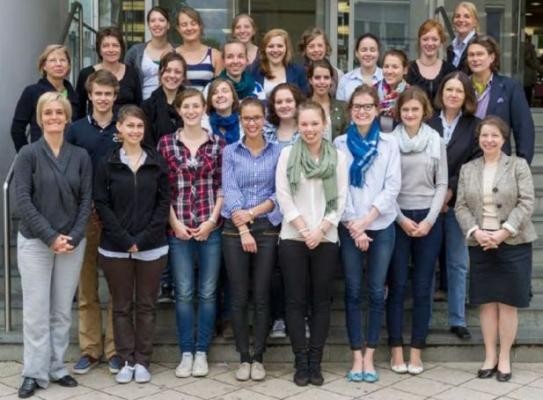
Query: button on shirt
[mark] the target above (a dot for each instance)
(448, 129)
(351, 80)
(459, 47)
(249, 180)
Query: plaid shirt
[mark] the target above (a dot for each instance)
(195, 183)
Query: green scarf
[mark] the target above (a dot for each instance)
(300, 161)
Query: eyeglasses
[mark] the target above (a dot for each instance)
(365, 107)
(252, 119)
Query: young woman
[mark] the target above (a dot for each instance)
(194, 158)
(282, 127)
(244, 29)
(494, 208)
(223, 110)
(367, 230)
(311, 185)
(456, 124)
(53, 188)
(315, 46)
(131, 195)
(319, 74)
(53, 66)
(275, 63)
(110, 47)
(500, 95)
(250, 233)
(367, 54)
(391, 87)
(418, 234)
(145, 57)
(203, 62)
(428, 70)
(466, 24)
(161, 114)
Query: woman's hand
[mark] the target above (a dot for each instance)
(497, 237)
(357, 227)
(363, 241)
(248, 243)
(484, 239)
(313, 238)
(241, 217)
(202, 232)
(448, 197)
(409, 226)
(181, 231)
(61, 244)
(423, 228)
(133, 248)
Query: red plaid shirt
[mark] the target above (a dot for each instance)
(195, 183)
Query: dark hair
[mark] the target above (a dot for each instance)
(491, 46)
(311, 105)
(364, 89)
(236, 20)
(415, 93)
(168, 58)
(161, 10)
(131, 110)
(211, 90)
(469, 106)
(296, 93)
(185, 94)
(311, 34)
(102, 77)
(495, 121)
(368, 36)
(318, 64)
(397, 53)
(112, 31)
(252, 101)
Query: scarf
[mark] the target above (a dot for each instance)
(245, 87)
(426, 139)
(230, 124)
(364, 151)
(389, 96)
(300, 161)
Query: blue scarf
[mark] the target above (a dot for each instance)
(364, 151)
(230, 124)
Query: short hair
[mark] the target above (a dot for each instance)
(239, 17)
(415, 93)
(192, 14)
(472, 10)
(368, 36)
(491, 46)
(112, 31)
(50, 97)
(168, 58)
(161, 10)
(42, 59)
(311, 34)
(427, 26)
(273, 118)
(364, 89)
(131, 110)
(232, 40)
(252, 101)
(397, 53)
(495, 121)
(469, 106)
(102, 77)
(311, 105)
(264, 62)
(187, 93)
(213, 86)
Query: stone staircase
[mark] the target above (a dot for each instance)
(442, 346)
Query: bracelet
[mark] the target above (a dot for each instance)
(212, 220)
(243, 232)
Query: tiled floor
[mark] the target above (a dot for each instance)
(440, 381)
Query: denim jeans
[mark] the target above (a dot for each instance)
(353, 261)
(184, 254)
(423, 251)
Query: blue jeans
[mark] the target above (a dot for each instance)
(183, 255)
(423, 251)
(353, 261)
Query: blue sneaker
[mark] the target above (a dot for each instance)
(85, 364)
(355, 376)
(114, 364)
(371, 377)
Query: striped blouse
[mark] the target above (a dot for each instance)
(200, 74)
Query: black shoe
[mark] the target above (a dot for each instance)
(67, 381)
(301, 376)
(501, 377)
(461, 331)
(487, 373)
(315, 377)
(28, 387)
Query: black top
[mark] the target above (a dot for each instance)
(133, 207)
(162, 118)
(25, 111)
(463, 64)
(129, 90)
(430, 86)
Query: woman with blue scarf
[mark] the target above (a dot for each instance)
(223, 110)
(367, 231)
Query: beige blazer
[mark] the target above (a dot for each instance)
(513, 190)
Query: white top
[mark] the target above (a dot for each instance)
(269, 86)
(490, 211)
(351, 80)
(308, 202)
(150, 76)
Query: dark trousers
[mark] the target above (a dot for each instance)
(132, 282)
(303, 268)
(240, 265)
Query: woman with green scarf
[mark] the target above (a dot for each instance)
(311, 189)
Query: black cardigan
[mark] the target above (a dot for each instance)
(162, 118)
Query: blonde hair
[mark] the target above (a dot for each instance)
(264, 62)
(51, 97)
(42, 59)
(472, 10)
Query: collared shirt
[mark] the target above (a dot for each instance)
(351, 80)
(483, 100)
(382, 183)
(448, 129)
(195, 182)
(249, 180)
(270, 133)
(459, 47)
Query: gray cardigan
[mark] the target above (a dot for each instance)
(53, 193)
(134, 57)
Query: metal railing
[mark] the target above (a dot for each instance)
(446, 21)
(7, 252)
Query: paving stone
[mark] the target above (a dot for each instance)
(230, 378)
(318, 394)
(6, 390)
(457, 393)
(10, 368)
(57, 392)
(525, 376)
(537, 383)
(132, 390)
(390, 393)
(527, 393)
(470, 367)
(491, 386)
(97, 379)
(95, 395)
(167, 379)
(421, 386)
(350, 389)
(244, 394)
(170, 394)
(13, 381)
(202, 388)
(448, 375)
(279, 388)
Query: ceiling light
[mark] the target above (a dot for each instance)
(536, 3)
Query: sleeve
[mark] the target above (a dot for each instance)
(85, 199)
(233, 197)
(81, 93)
(282, 189)
(150, 136)
(524, 207)
(441, 183)
(136, 86)
(341, 89)
(130, 57)
(27, 210)
(522, 123)
(342, 189)
(22, 117)
(463, 213)
(217, 174)
(386, 199)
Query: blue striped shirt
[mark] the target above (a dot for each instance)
(249, 180)
(200, 74)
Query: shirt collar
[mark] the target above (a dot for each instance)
(454, 121)
(464, 42)
(377, 74)
(241, 143)
(94, 123)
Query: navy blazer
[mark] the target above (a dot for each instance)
(295, 75)
(463, 64)
(508, 101)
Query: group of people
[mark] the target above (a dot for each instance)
(182, 161)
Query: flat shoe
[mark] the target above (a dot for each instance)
(66, 381)
(353, 376)
(503, 377)
(371, 377)
(27, 388)
(415, 370)
(399, 369)
(487, 373)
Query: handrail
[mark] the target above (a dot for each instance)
(7, 253)
(76, 8)
(446, 21)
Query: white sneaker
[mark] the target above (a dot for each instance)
(200, 368)
(141, 374)
(126, 374)
(279, 330)
(258, 373)
(244, 371)
(184, 369)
